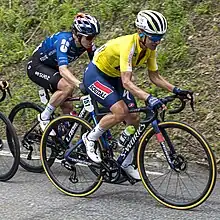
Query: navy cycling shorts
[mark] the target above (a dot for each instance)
(105, 89)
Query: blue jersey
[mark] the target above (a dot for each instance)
(60, 49)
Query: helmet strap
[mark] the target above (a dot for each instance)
(143, 39)
(77, 38)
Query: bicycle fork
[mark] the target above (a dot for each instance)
(161, 136)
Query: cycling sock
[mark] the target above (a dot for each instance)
(45, 115)
(95, 133)
(129, 159)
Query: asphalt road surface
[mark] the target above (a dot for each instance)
(30, 196)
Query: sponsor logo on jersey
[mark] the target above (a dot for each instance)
(131, 53)
(64, 45)
(52, 52)
(100, 90)
(45, 57)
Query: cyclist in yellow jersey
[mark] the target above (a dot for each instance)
(122, 55)
(108, 79)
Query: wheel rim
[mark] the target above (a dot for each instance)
(24, 119)
(194, 181)
(74, 179)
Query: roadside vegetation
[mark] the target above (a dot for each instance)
(188, 57)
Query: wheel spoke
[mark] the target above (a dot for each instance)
(192, 178)
(70, 174)
(24, 118)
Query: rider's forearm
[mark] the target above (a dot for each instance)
(66, 74)
(135, 90)
(159, 81)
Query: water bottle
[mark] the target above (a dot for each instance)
(126, 135)
(43, 97)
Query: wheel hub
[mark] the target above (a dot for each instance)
(180, 164)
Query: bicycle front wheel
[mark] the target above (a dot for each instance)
(190, 182)
(75, 174)
(9, 149)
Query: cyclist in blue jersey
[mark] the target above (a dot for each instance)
(48, 66)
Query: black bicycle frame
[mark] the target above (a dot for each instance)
(94, 114)
(160, 135)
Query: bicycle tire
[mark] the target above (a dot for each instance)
(30, 164)
(155, 160)
(68, 188)
(13, 146)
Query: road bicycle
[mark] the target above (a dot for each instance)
(9, 143)
(24, 118)
(175, 162)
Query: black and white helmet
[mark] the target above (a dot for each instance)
(152, 22)
(86, 25)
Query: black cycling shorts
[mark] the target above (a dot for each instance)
(43, 75)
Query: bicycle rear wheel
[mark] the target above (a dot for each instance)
(24, 118)
(75, 175)
(192, 180)
(9, 149)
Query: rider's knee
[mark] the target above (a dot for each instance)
(121, 114)
(69, 89)
(65, 87)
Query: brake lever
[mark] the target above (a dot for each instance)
(6, 87)
(189, 96)
(162, 115)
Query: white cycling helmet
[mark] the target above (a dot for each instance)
(85, 24)
(152, 22)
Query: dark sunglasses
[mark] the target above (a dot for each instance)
(153, 38)
(90, 38)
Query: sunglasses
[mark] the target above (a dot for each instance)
(90, 38)
(154, 38)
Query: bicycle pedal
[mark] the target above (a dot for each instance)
(73, 178)
(130, 179)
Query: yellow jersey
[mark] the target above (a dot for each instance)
(122, 54)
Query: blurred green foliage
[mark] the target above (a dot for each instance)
(25, 23)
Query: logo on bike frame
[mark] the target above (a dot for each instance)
(100, 90)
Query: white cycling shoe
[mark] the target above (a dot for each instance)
(93, 154)
(131, 171)
(43, 125)
(129, 168)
